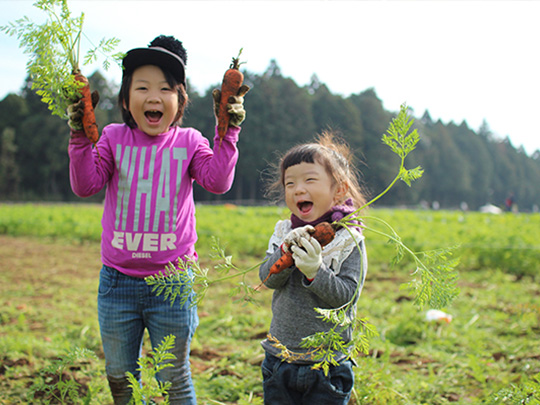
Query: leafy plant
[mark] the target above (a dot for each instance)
(324, 347)
(435, 276)
(54, 49)
(436, 282)
(526, 392)
(187, 277)
(149, 366)
(55, 386)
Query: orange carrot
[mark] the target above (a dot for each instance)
(88, 118)
(324, 233)
(232, 80)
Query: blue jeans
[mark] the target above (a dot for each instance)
(297, 384)
(126, 307)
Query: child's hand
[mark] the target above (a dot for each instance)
(235, 107)
(293, 237)
(307, 256)
(75, 112)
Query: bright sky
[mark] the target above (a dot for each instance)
(460, 60)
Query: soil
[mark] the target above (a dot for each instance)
(24, 256)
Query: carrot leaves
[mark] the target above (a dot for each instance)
(187, 280)
(149, 367)
(175, 282)
(435, 275)
(54, 53)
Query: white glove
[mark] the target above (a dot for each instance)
(293, 237)
(307, 256)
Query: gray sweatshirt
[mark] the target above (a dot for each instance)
(295, 297)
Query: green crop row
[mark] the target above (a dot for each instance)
(508, 242)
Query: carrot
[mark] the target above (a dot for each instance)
(89, 118)
(324, 233)
(232, 80)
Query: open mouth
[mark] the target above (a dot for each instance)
(153, 116)
(304, 206)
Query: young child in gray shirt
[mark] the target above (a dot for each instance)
(319, 184)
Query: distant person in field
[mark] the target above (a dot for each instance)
(319, 183)
(148, 165)
(510, 202)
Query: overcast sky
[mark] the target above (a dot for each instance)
(461, 60)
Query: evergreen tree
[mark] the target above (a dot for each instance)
(9, 172)
(460, 164)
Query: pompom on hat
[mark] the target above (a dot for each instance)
(164, 51)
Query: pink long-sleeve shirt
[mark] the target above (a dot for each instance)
(149, 212)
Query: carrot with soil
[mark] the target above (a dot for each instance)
(324, 234)
(232, 81)
(89, 118)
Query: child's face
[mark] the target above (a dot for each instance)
(309, 191)
(153, 103)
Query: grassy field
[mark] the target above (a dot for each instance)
(488, 354)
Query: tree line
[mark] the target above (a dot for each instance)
(461, 165)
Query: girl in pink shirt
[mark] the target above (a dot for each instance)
(148, 165)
